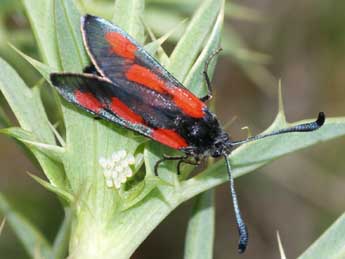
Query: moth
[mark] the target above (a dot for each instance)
(127, 86)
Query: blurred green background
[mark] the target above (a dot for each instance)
(300, 195)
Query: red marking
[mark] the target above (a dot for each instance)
(145, 77)
(120, 45)
(169, 138)
(124, 111)
(88, 100)
(187, 102)
(183, 99)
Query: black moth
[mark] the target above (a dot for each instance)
(127, 86)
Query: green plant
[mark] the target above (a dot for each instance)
(100, 221)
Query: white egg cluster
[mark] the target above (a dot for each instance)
(116, 168)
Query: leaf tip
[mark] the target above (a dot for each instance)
(281, 111)
(281, 248)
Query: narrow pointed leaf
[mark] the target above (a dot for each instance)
(195, 80)
(200, 231)
(156, 44)
(25, 103)
(43, 69)
(331, 244)
(60, 246)
(66, 196)
(190, 44)
(68, 35)
(34, 242)
(41, 16)
(30, 140)
(128, 15)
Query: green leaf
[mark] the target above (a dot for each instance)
(30, 140)
(128, 15)
(162, 19)
(34, 242)
(42, 152)
(43, 69)
(66, 196)
(60, 246)
(190, 44)
(41, 16)
(331, 244)
(25, 104)
(195, 80)
(200, 232)
(146, 186)
(69, 39)
(156, 44)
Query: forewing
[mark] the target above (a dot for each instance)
(118, 57)
(138, 109)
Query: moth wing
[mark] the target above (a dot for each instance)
(118, 57)
(122, 105)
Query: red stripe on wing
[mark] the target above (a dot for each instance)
(188, 102)
(169, 138)
(88, 100)
(145, 77)
(183, 99)
(123, 111)
(120, 45)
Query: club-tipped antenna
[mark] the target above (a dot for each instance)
(241, 226)
(298, 128)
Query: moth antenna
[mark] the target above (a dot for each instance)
(241, 226)
(311, 126)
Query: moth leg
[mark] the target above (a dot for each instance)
(207, 78)
(186, 161)
(167, 158)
